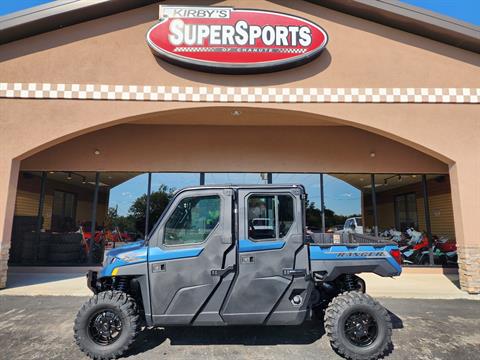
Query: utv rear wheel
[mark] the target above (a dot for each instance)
(359, 327)
(107, 325)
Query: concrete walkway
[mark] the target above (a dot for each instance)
(414, 283)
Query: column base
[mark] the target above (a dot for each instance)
(469, 269)
(4, 254)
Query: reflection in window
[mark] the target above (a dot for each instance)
(269, 216)
(406, 211)
(192, 220)
(311, 183)
(63, 213)
(235, 178)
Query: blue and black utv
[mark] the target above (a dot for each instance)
(238, 255)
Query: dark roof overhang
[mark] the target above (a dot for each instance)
(393, 13)
(57, 14)
(412, 19)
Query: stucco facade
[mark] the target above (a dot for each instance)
(219, 134)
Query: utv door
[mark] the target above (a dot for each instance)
(270, 286)
(187, 254)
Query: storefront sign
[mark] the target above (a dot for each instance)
(228, 40)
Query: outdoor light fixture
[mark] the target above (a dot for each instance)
(361, 179)
(69, 176)
(84, 181)
(399, 177)
(385, 181)
(52, 172)
(96, 152)
(236, 113)
(372, 154)
(414, 176)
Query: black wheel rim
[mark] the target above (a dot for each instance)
(361, 328)
(105, 327)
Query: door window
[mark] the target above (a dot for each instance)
(270, 217)
(193, 220)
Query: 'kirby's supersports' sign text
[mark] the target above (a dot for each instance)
(234, 40)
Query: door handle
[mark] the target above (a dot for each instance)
(158, 267)
(295, 272)
(223, 272)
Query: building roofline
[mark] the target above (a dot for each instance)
(58, 14)
(392, 13)
(416, 20)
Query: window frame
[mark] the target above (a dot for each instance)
(277, 225)
(174, 207)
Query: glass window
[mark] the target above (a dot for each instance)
(313, 205)
(269, 216)
(235, 178)
(285, 214)
(344, 196)
(63, 212)
(406, 211)
(193, 220)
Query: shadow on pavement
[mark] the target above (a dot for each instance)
(397, 323)
(305, 334)
(235, 335)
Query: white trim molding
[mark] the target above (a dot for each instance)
(239, 94)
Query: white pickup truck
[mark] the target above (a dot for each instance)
(353, 225)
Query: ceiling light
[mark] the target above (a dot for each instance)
(372, 154)
(96, 152)
(236, 113)
(52, 172)
(414, 176)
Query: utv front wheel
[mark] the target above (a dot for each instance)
(107, 325)
(359, 327)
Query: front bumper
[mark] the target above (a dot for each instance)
(92, 281)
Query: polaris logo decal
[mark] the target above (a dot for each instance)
(348, 254)
(229, 40)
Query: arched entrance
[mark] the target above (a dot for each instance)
(61, 180)
(241, 139)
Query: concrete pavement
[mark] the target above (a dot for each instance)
(412, 284)
(40, 327)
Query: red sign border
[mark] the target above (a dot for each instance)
(240, 68)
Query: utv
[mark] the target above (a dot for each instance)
(238, 255)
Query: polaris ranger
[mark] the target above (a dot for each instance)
(209, 261)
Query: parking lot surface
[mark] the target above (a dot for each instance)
(40, 327)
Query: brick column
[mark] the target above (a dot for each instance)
(8, 186)
(466, 209)
(469, 269)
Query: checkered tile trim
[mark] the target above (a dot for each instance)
(240, 94)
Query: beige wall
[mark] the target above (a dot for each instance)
(242, 148)
(360, 54)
